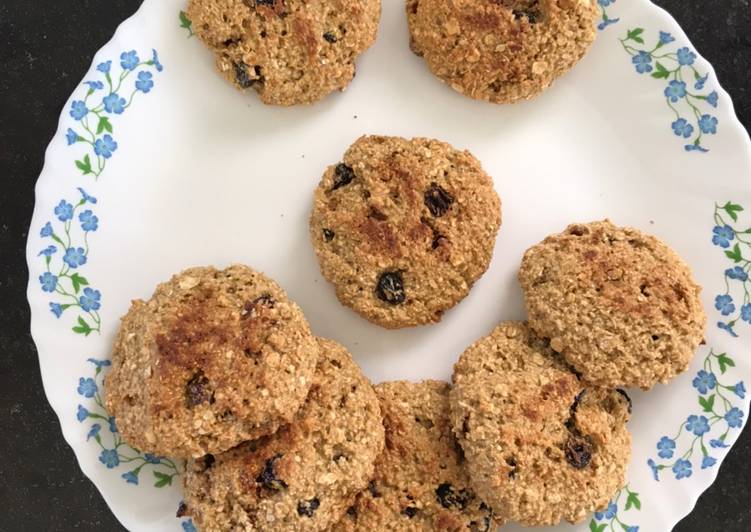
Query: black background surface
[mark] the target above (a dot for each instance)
(45, 48)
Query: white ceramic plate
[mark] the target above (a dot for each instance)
(179, 169)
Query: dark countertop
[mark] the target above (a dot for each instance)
(45, 48)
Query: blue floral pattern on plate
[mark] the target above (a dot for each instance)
(93, 115)
(606, 20)
(65, 257)
(611, 516)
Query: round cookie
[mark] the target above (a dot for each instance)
(619, 305)
(404, 228)
(214, 358)
(540, 446)
(501, 51)
(420, 483)
(305, 476)
(289, 51)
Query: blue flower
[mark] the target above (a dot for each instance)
(718, 444)
(188, 526)
(632, 529)
(746, 312)
(130, 477)
(75, 257)
(71, 136)
(704, 382)
(114, 103)
(607, 22)
(56, 309)
(643, 62)
(152, 459)
(655, 469)
(697, 424)
(713, 98)
(675, 90)
(48, 282)
(727, 327)
(144, 83)
(605, 3)
(109, 458)
(734, 417)
(129, 60)
(105, 67)
(682, 128)
(708, 124)
(46, 230)
(90, 299)
(666, 38)
(89, 222)
(695, 147)
(94, 85)
(95, 428)
(708, 461)
(64, 211)
(87, 387)
(82, 413)
(737, 273)
(611, 510)
(722, 235)
(85, 197)
(685, 56)
(740, 390)
(666, 447)
(99, 363)
(48, 251)
(78, 110)
(105, 146)
(699, 85)
(724, 304)
(113, 425)
(157, 64)
(682, 469)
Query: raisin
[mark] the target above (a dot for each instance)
(390, 288)
(265, 2)
(197, 390)
(208, 461)
(343, 175)
(242, 77)
(328, 235)
(511, 462)
(352, 512)
(268, 478)
(450, 498)
(373, 490)
(254, 308)
(182, 510)
(437, 200)
(308, 508)
(628, 399)
(330, 37)
(410, 511)
(474, 526)
(531, 15)
(578, 451)
(438, 239)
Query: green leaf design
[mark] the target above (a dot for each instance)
(735, 255)
(635, 35)
(662, 72)
(594, 527)
(725, 362)
(85, 165)
(632, 501)
(162, 479)
(78, 282)
(732, 209)
(186, 23)
(104, 125)
(707, 403)
(82, 327)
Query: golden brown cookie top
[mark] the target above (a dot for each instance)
(289, 51)
(420, 483)
(501, 51)
(618, 304)
(214, 358)
(541, 447)
(306, 475)
(403, 228)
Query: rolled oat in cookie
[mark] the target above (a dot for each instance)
(619, 305)
(306, 475)
(420, 482)
(501, 51)
(214, 358)
(404, 228)
(541, 447)
(289, 51)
